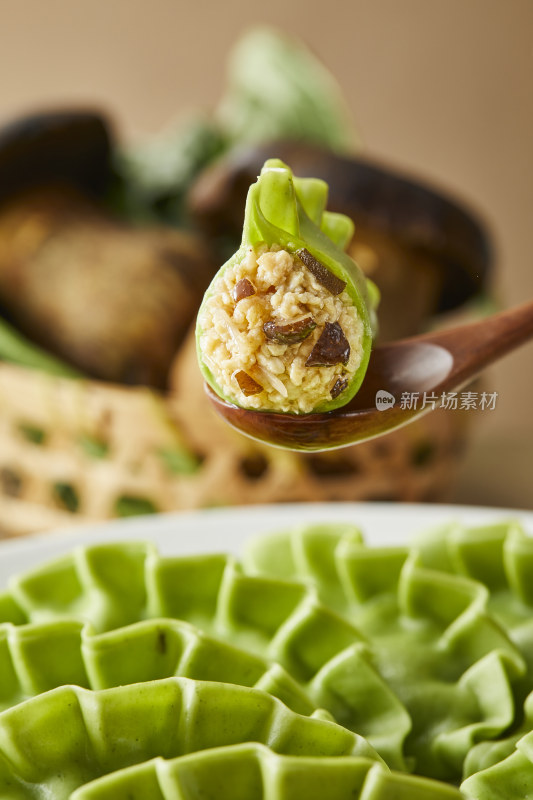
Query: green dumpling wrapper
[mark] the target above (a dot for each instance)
(287, 323)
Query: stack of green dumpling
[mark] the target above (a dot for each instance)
(314, 667)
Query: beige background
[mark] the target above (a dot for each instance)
(440, 87)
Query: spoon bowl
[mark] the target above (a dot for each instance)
(404, 380)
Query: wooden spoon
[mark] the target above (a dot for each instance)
(422, 367)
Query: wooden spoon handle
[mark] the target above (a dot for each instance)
(479, 344)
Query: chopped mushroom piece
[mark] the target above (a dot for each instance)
(332, 347)
(339, 386)
(247, 385)
(323, 275)
(244, 288)
(289, 332)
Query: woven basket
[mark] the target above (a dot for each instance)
(82, 451)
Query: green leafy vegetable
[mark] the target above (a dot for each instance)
(16, 349)
(32, 433)
(93, 446)
(278, 88)
(180, 461)
(67, 496)
(130, 506)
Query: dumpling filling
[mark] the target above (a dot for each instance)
(279, 332)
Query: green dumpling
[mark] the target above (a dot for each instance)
(54, 743)
(254, 772)
(287, 323)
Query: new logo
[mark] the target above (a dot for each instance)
(384, 400)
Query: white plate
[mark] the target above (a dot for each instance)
(224, 530)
